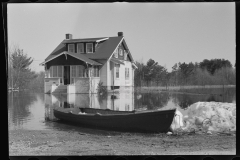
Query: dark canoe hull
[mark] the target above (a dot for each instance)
(157, 121)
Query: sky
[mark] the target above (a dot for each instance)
(165, 32)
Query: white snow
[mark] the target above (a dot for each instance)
(206, 116)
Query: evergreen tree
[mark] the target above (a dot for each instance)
(20, 73)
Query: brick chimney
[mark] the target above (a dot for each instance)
(120, 34)
(68, 36)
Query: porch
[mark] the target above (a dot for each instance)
(71, 73)
(78, 85)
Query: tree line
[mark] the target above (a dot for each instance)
(20, 76)
(207, 72)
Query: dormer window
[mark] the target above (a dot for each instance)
(71, 48)
(120, 52)
(80, 48)
(116, 53)
(89, 47)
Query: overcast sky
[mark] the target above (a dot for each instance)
(166, 32)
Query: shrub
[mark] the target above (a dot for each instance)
(102, 90)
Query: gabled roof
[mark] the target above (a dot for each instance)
(58, 50)
(78, 56)
(104, 50)
(83, 58)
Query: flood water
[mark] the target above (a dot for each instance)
(33, 111)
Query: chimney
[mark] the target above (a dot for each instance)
(120, 34)
(68, 36)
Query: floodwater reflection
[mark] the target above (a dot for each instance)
(35, 110)
(120, 101)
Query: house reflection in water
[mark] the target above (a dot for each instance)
(122, 100)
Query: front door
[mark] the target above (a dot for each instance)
(66, 75)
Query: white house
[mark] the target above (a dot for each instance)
(78, 65)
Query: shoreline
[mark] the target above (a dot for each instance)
(58, 142)
(180, 89)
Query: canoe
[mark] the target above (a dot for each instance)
(150, 121)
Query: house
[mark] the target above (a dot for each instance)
(79, 65)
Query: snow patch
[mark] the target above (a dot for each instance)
(206, 116)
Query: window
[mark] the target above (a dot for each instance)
(47, 73)
(80, 48)
(71, 48)
(59, 71)
(120, 52)
(86, 72)
(55, 71)
(73, 71)
(126, 73)
(116, 53)
(125, 55)
(117, 70)
(80, 71)
(73, 74)
(95, 71)
(89, 48)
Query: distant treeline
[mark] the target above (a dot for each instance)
(207, 72)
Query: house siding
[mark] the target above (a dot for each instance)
(84, 85)
(48, 82)
(112, 78)
(109, 75)
(94, 81)
(121, 81)
(103, 74)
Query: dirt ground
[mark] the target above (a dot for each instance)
(54, 142)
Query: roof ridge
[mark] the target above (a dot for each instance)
(92, 38)
(87, 38)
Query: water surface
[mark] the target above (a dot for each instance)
(33, 111)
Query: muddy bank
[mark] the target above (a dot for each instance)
(49, 142)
